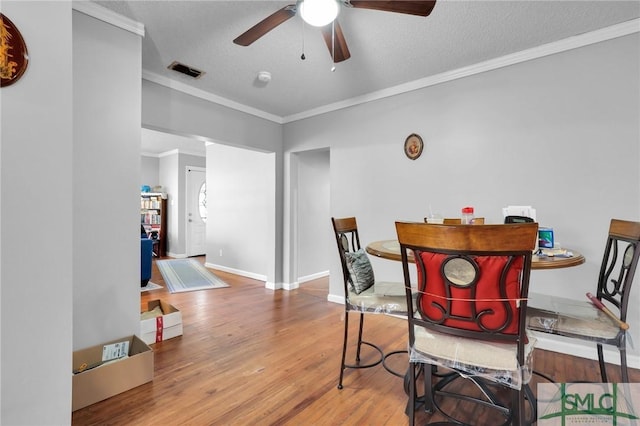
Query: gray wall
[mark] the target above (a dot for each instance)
(560, 133)
(106, 173)
(74, 115)
(241, 199)
(314, 231)
(36, 223)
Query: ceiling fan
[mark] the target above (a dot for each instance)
(333, 36)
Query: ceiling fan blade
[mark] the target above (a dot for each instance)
(420, 8)
(339, 48)
(266, 25)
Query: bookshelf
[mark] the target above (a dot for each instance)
(153, 216)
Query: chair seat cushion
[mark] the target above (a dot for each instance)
(570, 318)
(386, 288)
(382, 297)
(492, 360)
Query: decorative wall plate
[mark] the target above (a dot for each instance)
(413, 146)
(13, 53)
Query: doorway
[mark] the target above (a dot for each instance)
(196, 203)
(314, 235)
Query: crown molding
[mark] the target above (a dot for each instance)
(189, 90)
(604, 34)
(178, 151)
(102, 13)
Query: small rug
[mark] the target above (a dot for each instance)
(187, 275)
(150, 286)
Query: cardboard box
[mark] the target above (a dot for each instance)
(96, 380)
(163, 327)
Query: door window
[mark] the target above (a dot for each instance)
(202, 202)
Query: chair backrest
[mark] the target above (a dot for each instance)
(472, 281)
(458, 221)
(348, 241)
(619, 264)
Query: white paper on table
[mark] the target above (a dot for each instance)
(527, 211)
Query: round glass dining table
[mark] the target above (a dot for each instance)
(390, 249)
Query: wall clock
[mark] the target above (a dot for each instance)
(13, 53)
(413, 146)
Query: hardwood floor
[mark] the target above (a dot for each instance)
(250, 355)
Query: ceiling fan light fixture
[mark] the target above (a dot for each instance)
(318, 12)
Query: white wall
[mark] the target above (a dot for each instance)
(240, 197)
(106, 176)
(560, 133)
(314, 230)
(36, 222)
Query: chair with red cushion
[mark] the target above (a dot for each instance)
(472, 284)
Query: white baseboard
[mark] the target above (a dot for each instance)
(312, 277)
(290, 286)
(177, 255)
(336, 299)
(259, 277)
(296, 284)
(272, 286)
(251, 275)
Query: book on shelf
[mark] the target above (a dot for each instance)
(149, 203)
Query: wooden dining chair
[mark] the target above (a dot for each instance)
(363, 294)
(458, 221)
(579, 317)
(472, 284)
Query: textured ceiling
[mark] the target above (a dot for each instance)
(387, 49)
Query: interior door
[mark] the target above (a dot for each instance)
(196, 211)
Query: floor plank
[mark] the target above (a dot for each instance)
(249, 355)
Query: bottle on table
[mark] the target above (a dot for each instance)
(467, 216)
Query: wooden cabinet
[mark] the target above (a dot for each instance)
(153, 216)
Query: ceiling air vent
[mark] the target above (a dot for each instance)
(185, 69)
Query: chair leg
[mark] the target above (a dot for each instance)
(344, 365)
(360, 337)
(344, 348)
(533, 403)
(428, 370)
(518, 417)
(603, 367)
(411, 393)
